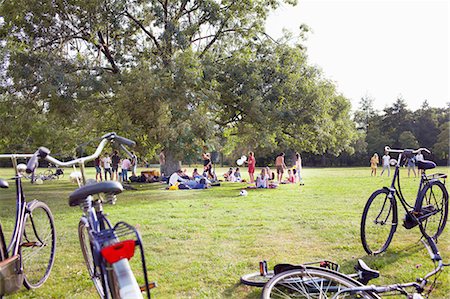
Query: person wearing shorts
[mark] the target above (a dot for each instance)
(280, 166)
(98, 169)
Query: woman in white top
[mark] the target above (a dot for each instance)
(298, 168)
(262, 181)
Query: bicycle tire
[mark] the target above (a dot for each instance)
(38, 244)
(256, 279)
(434, 194)
(312, 282)
(48, 173)
(378, 222)
(95, 271)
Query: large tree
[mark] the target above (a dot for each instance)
(175, 75)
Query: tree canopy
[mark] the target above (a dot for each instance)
(179, 76)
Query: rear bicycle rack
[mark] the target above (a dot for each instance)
(122, 232)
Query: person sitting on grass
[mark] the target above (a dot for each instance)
(237, 175)
(291, 177)
(195, 174)
(270, 173)
(227, 175)
(262, 180)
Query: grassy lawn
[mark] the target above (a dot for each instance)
(198, 243)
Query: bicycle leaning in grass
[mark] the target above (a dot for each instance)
(29, 257)
(106, 248)
(380, 216)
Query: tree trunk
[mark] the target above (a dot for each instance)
(172, 163)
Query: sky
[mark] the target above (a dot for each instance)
(382, 49)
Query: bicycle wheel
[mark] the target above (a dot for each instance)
(312, 282)
(378, 222)
(95, 271)
(38, 245)
(434, 208)
(256, 279)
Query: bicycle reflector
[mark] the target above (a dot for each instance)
(115, 252)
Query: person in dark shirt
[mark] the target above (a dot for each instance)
(115, 159)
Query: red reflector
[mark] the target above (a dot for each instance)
(118, 251)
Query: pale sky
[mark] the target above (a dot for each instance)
(384, 49)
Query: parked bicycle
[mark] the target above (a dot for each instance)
(106, 248)
(320, 282)
(29, 257)
(380, 217)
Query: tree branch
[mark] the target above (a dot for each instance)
(105, 50)
(143, 29)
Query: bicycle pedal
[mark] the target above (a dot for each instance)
(151, 285)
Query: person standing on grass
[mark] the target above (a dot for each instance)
(134, 163)
(126, 164)
(281, 166)
(374, 164)
(115, 159)
(298, 167)
(419, 157)
(251, 166)
(106, 161)
(98, 169)
(411, 162)
(162, 162)
(207, 165)
(386, 164)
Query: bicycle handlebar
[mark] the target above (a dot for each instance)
(105, 138)
(390, 150)
(119, 139)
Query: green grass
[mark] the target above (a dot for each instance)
(198, 243)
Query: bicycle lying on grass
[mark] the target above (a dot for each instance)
(106, 248)
(324, 281)
(29, 257)
(380, 217)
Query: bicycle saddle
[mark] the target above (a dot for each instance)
(365, 273)
(424, 164)
(78, 196)
(3, 184)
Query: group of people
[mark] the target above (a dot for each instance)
(386, 163)
(266, 175)
(181, 180)
(233, 175)
(110, 166)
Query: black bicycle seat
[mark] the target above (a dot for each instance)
(365, 273)
(3, 184)
(424, 164)
(279, 268)
(79, 195)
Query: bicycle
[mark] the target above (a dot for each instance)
(259, 279)
(29, 257)
(380, 216)
(318, 282)
(105, 249)
(50, 175)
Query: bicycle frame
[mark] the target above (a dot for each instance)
(21, 205)
(419, 285)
